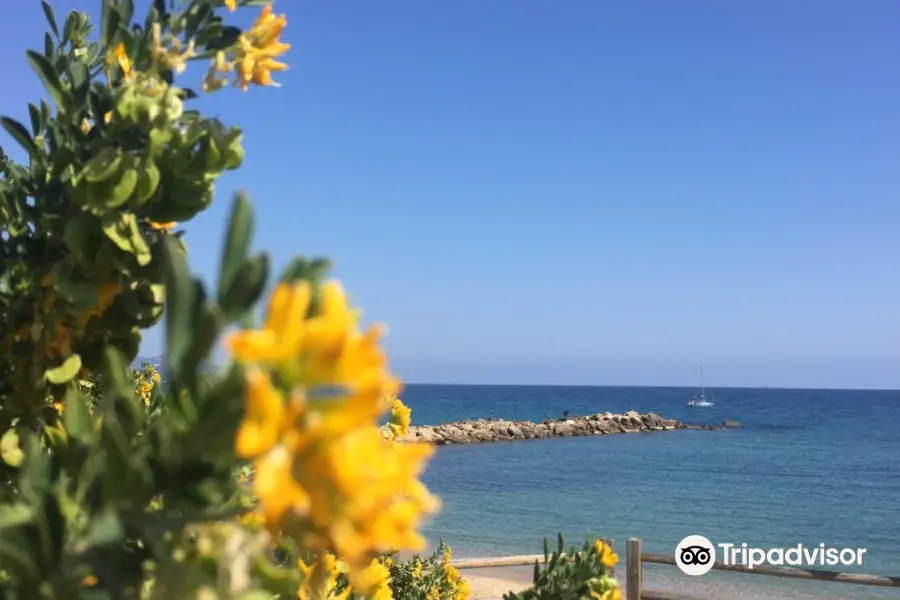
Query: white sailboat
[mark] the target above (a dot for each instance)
(702, 401)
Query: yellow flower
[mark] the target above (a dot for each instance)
(611, 594)
(278, 493)
(375, 582)
(398, 424)
(264, 418)
(280, 337)
(173, 57)
(168, 226)
(417, 569)
(605, 588)
(252, 518)
(231, 5)
(605, 554)
(119, 56)
(463, 592)
(375, 500)
(106, 295)
(221, 64)
(258, 48)
(324, 472)
(85, 126)
(320, 580)
(89, 581)
(452, 574)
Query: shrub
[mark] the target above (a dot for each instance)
(270, 477)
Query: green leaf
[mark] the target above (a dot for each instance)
(71, 22)
(207, 325)
(48, 76)
(49, 46)
(123, 230)
(80, 292)
(227, 38)
(19, 133)
(80, 237)
(237, 242)
(53, 530)
(126, 11)
(147, 184)
(246, 288)
(77, 417)
(65, 372)
(109, 22)
(105, 529)
(159, 138)
(13, 515)
(36, 124)
(81, 83)
(180, 295)
(106, 196)
(15, 557)
(103, 165)
(51, 17)
(10, 451)
(61, 63)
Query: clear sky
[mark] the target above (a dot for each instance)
(579, 191)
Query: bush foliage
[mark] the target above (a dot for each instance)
(274, 476)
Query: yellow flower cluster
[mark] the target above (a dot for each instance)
(119, 56)
(605, 554)
(320, 581)
(605, 588)
(172, 55)
(322, 470)
(399, 421)
(51, 328)
(253, 59)
(145, 381)
(459, 587)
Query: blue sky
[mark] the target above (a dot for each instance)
(580, 192)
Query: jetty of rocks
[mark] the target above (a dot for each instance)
(497, 430)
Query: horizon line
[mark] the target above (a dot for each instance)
(687, 387)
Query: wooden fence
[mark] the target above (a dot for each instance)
(635, 557)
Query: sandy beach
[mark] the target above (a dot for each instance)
(493, 583)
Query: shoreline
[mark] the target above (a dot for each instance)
(497, 430)
(492, 583)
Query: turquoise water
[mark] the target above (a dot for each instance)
(809, 466)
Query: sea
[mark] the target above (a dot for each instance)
(807, 467)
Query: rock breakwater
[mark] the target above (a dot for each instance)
(497, 430)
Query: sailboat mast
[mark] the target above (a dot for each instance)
(702, 385)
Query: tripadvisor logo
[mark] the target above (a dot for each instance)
(696, 555)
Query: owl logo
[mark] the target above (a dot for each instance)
(695, 555)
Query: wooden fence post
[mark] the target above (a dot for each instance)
(633, 574)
